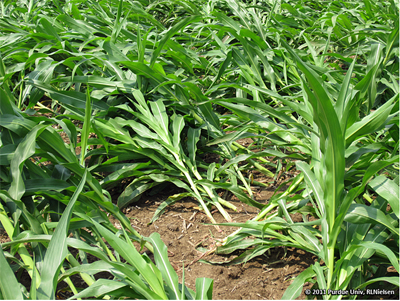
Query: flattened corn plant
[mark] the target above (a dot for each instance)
(95, 92)
(30, 213)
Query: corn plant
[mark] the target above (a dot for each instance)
(34, 202)
(161, 141)
(353, 235)
(138, 277)
(336, 204)
(314, 84)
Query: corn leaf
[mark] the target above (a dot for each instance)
(295, 289)
(161, 258)
(57, 250)
(204, 288)
(8, 283)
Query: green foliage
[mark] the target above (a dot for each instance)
(95, 92)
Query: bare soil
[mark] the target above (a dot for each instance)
(184, 229)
